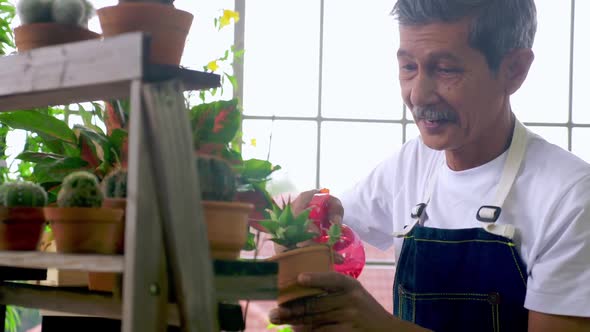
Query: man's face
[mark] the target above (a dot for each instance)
(454, 96)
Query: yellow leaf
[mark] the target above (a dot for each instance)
(213, 66)
(253, 142)
(227, 16)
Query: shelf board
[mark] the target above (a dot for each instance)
(86, 71)
(234, 280)
(46, 260)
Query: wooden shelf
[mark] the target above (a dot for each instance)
(86, 71)
(46, 260)
(234, 280)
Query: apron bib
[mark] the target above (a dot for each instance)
(464, 279)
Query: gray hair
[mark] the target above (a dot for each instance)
(498, 26)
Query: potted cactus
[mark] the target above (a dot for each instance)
(167, 26)
(21, 215)
(79, 223)
(293, 233)
(227, 220)
(52, 22)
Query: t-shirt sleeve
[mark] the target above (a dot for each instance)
(368, 205)
(559, 277)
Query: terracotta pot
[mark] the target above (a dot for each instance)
(36, 35)
(227, 227)
(85, 230)
(316, 258)
(121, 204)
(103, 281)
(20, 228)
(167, 26)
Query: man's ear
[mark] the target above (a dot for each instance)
(515, 68)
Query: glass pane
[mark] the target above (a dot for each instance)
(549, 74)
(360, 67)
(378, 281)
(412, 131)
(350, 150)
(580, 139)
(581, 65)
(281, 63)
(293, 146)
(555, 135)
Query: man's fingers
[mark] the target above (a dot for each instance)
(335, 210)
(302, 201)
(329, 281)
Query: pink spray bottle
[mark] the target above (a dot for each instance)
(350, 247)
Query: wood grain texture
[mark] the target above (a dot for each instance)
(46, 260)
(179, 198)
(145, 270)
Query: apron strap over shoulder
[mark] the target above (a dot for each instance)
(487, 215)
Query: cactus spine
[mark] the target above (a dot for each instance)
(23, 194)
(80, 189)
(114, 185)
(216, 179)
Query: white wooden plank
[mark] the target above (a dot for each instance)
(46, 260)
(145, 281)
(179, 199)
(109, 91)
(78, 64)
(70, 302)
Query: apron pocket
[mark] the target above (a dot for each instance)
(450, 311)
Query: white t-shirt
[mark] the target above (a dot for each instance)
(549, 205)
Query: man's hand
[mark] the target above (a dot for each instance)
(540, 322)
(347, 306)
(335, 209)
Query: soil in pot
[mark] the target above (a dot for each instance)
(36, 35)
(167, 26)
(85, 230)
(21, 228)
(315, 258)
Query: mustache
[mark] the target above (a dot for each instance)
(432, 114)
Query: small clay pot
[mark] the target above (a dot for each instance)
(167, 26)
(121, 204)
(36, 35)
(85, 230)
(315, 258)
(227, 227)
(20, 228)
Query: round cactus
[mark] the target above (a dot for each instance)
(69, 11)
(114, 185)
(80, 189)
(34, 11)
(22, 194)
(216, 179)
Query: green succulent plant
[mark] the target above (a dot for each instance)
(80, 189)
(217, 179)
(22, 193)
(114, 185)
(288, 229)
(73, 12)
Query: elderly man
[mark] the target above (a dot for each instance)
(491, 223)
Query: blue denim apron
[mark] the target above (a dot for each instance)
(464, 279)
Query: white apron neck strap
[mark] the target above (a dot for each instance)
(488, 214)
(419, 211)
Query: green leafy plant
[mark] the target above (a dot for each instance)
(12, 320)
(56, 150)
(114, 185)
(80, 189)
(279, 328)
(22, 193)
(72, 12)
